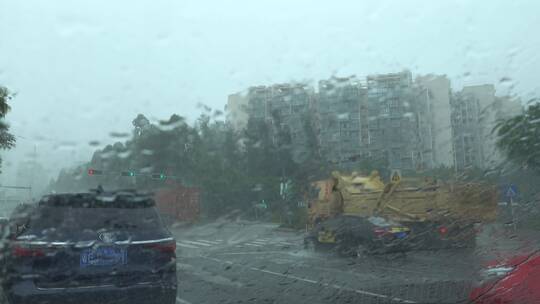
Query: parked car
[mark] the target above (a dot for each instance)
(515, 280)
(3, 226)
(97, 247)
(18, 219)
(10, 226)
(4, 221)
(378, 235)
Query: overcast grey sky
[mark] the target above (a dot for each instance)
(83, 69)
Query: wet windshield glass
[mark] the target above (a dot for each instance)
(269, 151)
(95, 219)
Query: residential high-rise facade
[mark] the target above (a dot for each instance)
(289, 109)
(394, 105)
(410, 124)
(342, 125)
(485, 98)
(257, 101)
(475, 112)
(237, 110)
(467, 132)
(435, 90)
(284, 108)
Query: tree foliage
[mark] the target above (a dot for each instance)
(519, 137)
(235, 169)
(7, 140)
(5, 96)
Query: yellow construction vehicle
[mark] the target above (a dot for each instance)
(362, 213)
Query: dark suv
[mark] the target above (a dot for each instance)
(91, 248)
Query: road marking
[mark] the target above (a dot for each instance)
(182, 301)
(185, 245)
(263, 240)
(196, 243)
(217, 260)
(362, 292)
(335, 286)
(209, 242)
(283, 275)
(286, 243)
(399, 270)
(184, 266)
(254, 245)
(249, 252)
(258, 242)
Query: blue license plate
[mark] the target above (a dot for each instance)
(103, 256)
(401, 235)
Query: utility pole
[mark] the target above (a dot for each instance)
(33, 172)
(340, 162)
(511, 192)
(512, 213)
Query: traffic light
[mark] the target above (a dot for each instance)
(95, 172)
(158, 176)
(128, 173)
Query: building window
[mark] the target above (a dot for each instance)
(395, 158)
(372, 138)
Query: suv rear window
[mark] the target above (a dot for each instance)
(80, 223)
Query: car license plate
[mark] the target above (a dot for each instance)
(104, 256)
(401, 235)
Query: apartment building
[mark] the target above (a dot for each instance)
(341, 109)
(475, 111)
(415, 124)
(393, 121)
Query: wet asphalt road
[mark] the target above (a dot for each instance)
(259, 263)
(249, 262)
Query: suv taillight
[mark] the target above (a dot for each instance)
(380, 231)
(22, 251)
(168, 247)
(443, 230)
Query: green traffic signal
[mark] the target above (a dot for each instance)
(158, 176)
(128, 173)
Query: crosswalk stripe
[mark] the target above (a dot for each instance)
(196, 243)
(254, 245)
(185, 245)
(258, 242)
(182, 301)
(209, 242)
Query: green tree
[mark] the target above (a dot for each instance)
(519, 137)
(233, 169)
(5, 96)
(519, 140)
(7, 140)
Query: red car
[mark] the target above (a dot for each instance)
(516, 280)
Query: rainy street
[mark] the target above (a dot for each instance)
(249, 262)
(255, 262)
(295, 152)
